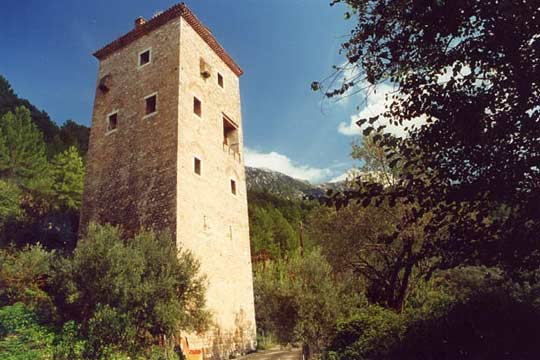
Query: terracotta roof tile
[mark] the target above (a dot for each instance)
(163, 18)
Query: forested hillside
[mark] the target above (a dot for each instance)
(41, 174)
(276, 225)
(57, 138)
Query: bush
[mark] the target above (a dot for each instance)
(490, 325)
(23, 278)
(68, 344)
(482, 319)
(21, 335)
(297, 300)
(127, 293)
(266, 341)
(369, 334)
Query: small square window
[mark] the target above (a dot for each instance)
(151, 104)
(112, 122)
(197, 106)
(233, 187)
(144, 57)
(197, 166)
(220, 79)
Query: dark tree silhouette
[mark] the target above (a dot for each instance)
(471, 70)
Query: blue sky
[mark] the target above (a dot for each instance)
(282, 45)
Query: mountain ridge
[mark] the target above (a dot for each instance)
(277, 183)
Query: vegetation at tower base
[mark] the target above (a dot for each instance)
(386, 298)
(112, 298)
(100, 298)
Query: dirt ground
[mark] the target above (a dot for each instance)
(294, 354)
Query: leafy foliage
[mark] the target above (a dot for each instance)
(373, 240)
(297, 299)
(39, 201)
(275, 225)
(10, 202)
(110, 299)
(68, 179)
(23, 278)
(56, 139)
(24, 160)
(471, 70)
(75, 135)
(488, 323)
(125, 294)
(21, 336)
(68, 344)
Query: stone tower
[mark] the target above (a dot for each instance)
(166, 154)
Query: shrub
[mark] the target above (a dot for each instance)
(482, 319)
(23, 278)
(68, 345)
(127, 293)
(298, 300)
(369, 334)
(21, 336)
(489, 325)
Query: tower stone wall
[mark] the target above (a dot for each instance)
(132, 171)
(142, 174)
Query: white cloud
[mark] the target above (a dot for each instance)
(279, 162)
(348, 175)
(375, 104)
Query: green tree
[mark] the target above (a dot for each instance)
(24, 160)
(73, 134)
(9, 102)
(471, 70)
(373, 240)
(126, 294)
(284, 235)
(67, 171)
(298, 300)
(23, 278)
(261, 233)
(466, 313)
(56, 139)
(274, 224)
(10, 202)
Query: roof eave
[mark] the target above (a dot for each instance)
(163, 18)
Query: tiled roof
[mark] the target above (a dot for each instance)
(163, 18)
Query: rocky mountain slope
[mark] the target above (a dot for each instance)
(260, 179)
